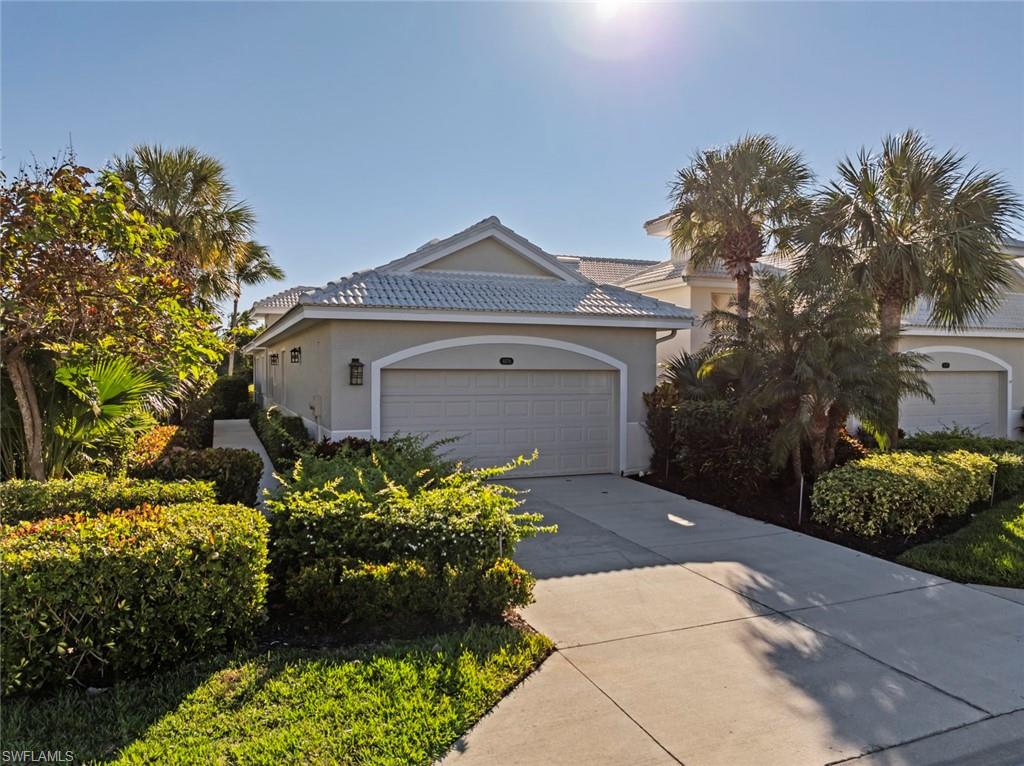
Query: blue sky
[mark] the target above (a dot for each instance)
(359, 131)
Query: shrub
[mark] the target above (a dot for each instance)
(91, 494)
(236, 473)
(1007, 454)
(229, 397)
(459, 519)
(1009, 473)
(958, 438)
(849, 448)
(900, 493)
(660, 408)
(710, 446)
(368, 465)
(156, 444)
(94, 599)
(407, 595)
(283, 436)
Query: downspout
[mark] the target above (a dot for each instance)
(670, 336)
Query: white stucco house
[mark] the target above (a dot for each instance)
(976, 374)
(483, 336)
(487, 337)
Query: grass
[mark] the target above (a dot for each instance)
(988, 551)
(396, 703)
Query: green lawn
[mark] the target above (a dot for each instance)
(989, 550)
(397, 703)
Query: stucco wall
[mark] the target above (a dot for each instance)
(487, 255)
(347, 409)
(299, 387)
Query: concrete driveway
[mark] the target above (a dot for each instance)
(688, 634)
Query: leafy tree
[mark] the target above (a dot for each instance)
(810, 361)
(82, 279)
(188, 192)
(731, 203)
(908, 223)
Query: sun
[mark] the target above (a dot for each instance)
(607, 9)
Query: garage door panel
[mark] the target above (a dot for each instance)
(964, 399)
(567, 416)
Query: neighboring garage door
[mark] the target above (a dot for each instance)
(964, 399)
(567, 415)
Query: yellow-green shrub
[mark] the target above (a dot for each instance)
(900, 493)
(96, 598)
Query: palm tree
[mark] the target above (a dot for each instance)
(731, 203)
(251, 264)
(188, 192)
(908, 223)
(818, 359)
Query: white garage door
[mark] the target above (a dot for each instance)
(964, 399)
(568, 416)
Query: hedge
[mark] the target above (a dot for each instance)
(91, 494)
(229, 397)
(284, 437)
(900, 493)
(459, 519)
(95, 599)
(407, 595)
(1007, 454)
(236, 473)
(711, 447)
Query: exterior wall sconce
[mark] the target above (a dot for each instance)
(296, 355)
(274, 359)
(355, 373)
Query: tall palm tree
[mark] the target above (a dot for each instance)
(251, 264)
(907, 223)
(188, 192)
(818, 359)
(731, 203)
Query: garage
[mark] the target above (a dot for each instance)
(568, 416)
(970, 400)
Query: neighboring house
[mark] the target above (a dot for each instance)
(482, 336)
(976, 374)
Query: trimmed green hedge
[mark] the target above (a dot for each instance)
(284, 437)
(95, 599)
(1007, 454)
(229, 397)
(900, 493)
(406, 595)
(90, 494)
(236, 473)
(361, 551)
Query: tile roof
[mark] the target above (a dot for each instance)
(479, 292)
(283, 300)
(1009, 315)
(605, 271)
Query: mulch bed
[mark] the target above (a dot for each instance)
(778, 504)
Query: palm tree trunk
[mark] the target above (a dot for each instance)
(890, 315)
(28, 405)
(743, 299)
(234, 321)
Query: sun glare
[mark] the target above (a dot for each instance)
(607, 9)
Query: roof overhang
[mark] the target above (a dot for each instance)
(304, 313)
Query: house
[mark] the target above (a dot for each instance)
(976, 374)
(482, 336)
